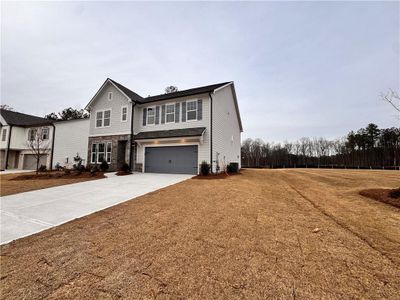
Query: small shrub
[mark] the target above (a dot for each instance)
(395, 193)
(58, 167)
(104, 166)
(125, 168)
(204, 168)
(42, 168)
(232, 167)
(78, 164)
(67, 171)
(93, 170)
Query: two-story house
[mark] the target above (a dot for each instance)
(60, 141)
(168, 133)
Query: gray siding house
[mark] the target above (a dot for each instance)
(168, 133)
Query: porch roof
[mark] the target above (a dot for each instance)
(160, 134)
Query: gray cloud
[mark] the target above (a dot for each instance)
(300, 69)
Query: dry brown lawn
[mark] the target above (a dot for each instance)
(10, 186)
(251, 236)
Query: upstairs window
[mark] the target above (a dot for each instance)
(32, 134)
(110, 95)
(191, 110)
(124, 113)
(45, 133)
(103, 118)
(107, 118)
(170, 113)
(151, 116)
(99, 119)
(4, 134)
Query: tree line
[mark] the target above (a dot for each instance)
(368, 147)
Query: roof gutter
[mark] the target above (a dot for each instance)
(131, 155)
(211, 131)
(52, 146)
(8, 147)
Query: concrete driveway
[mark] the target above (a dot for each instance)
(27, 213)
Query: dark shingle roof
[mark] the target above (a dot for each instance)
(185, 93)
(186, 132)
(132, 95)
(20, 119)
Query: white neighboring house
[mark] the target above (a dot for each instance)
(71, 139)
(14, 148)
(168, 133)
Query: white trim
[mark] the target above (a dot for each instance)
(110, 134)
(166, 105)
(102, 123)
(101, 88)
(221, 87)
(147, 115)
(122, 107)
(197, 110)
(168, 145)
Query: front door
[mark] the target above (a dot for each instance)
(121, 153)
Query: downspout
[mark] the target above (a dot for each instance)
(211, 131)
(8, 147)
(52, 146)
(132, 155)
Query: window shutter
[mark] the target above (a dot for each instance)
(144, 116)
(184, 111)
(157, 114)
(199, 109)
(177, 106)
(163, 114)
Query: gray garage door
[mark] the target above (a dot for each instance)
(178, 160)
(30, 161)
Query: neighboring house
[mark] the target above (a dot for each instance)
(71, 139)
(62, 139)
(168, 133)
(16, 131)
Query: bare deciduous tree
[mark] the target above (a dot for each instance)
(39, 143)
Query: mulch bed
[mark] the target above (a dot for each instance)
(122, 173)
(216, 176)
(383, 195)
(58, 175)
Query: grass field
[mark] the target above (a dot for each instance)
(280, 234)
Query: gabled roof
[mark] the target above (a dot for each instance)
(185, 93)
(159, 134)
(23, 120)
(132, 95)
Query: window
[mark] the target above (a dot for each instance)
(151, 116)
(32, 134)
(170, 113)
(4, 134)
(107, 118)
(45, 133)
(191, 110)
(124, 113)
(99, 119)
(108, 152)
(100, 152)
(110, 94)
(103, 118)
(94, 153)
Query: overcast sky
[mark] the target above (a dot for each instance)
(300, 69)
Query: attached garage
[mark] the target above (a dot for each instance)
(30, 161)
(171, 159)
